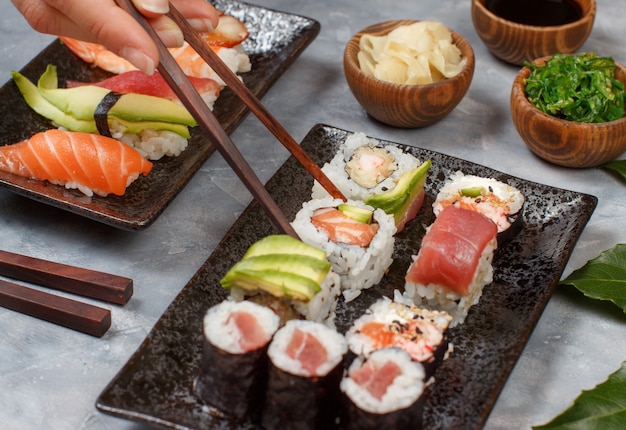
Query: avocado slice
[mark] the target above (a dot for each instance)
(473, 191)
(303, 265)
(396, 201)
(275, 282)
(43, 107)
(283, 244)
(81, 102)
(356, 213)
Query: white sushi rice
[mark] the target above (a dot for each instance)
(334, 343)
(336, 169)
(222, 332)
(358, 267)
(421, 346)
(403, 392)
(437, 297)
(500, 202)
(153, 144)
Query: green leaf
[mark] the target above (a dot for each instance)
(603, 407)
(617, 165)
(604, 277)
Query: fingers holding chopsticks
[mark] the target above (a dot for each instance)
(103, 22)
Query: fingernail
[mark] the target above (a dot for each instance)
(171, 37)
(202, 25)
(155, 6)
(138, 59)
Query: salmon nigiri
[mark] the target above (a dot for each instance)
(90, 162)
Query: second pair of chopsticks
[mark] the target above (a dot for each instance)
(66, 312)
(190, 98)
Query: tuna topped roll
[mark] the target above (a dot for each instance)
(306, 365)
(382, 176)
(293, 278)
(500, 202)
(388, 324)
(453, 263)
(233, 368)
(383, 391)
(357, 239)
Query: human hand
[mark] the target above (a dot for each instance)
(103, 22)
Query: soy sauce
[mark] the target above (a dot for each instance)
(536, 12)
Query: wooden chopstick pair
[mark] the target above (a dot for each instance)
(66, 312)
(190, 98)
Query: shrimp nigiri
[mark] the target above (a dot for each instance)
(90, 162)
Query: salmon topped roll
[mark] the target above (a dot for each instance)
(92, 163)
(357, 238)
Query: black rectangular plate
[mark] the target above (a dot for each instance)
(276, 40)
(155, 385)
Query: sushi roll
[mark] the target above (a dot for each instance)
(383, 391)
(500, 202)
(293, 278)
(388, 324)
(306, 366)
(233, 368)
(382, 176)
(357, 240)
(453, 264)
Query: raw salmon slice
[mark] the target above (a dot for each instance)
(451, 249)
(340, 228)
(90, 162)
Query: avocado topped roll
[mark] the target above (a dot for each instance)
(291, 277)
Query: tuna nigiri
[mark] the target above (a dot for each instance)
(90, 162)
(153, 85)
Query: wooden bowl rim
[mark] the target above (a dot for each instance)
(350, 58)
(590, 15)
(520, 97)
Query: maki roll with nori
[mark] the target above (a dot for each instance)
(383, 176)
(500, 202)
(291, 277)
(418, 331)
(233, 368)
(383, 391)
(357, 239)
(453, 264)
(306, 365)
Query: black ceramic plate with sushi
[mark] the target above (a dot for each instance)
(155, 386)
(276, 40)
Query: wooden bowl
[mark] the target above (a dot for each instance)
(405, 106)
(562, 142)
(516, 43)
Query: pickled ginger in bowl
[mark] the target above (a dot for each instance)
(408, 73)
